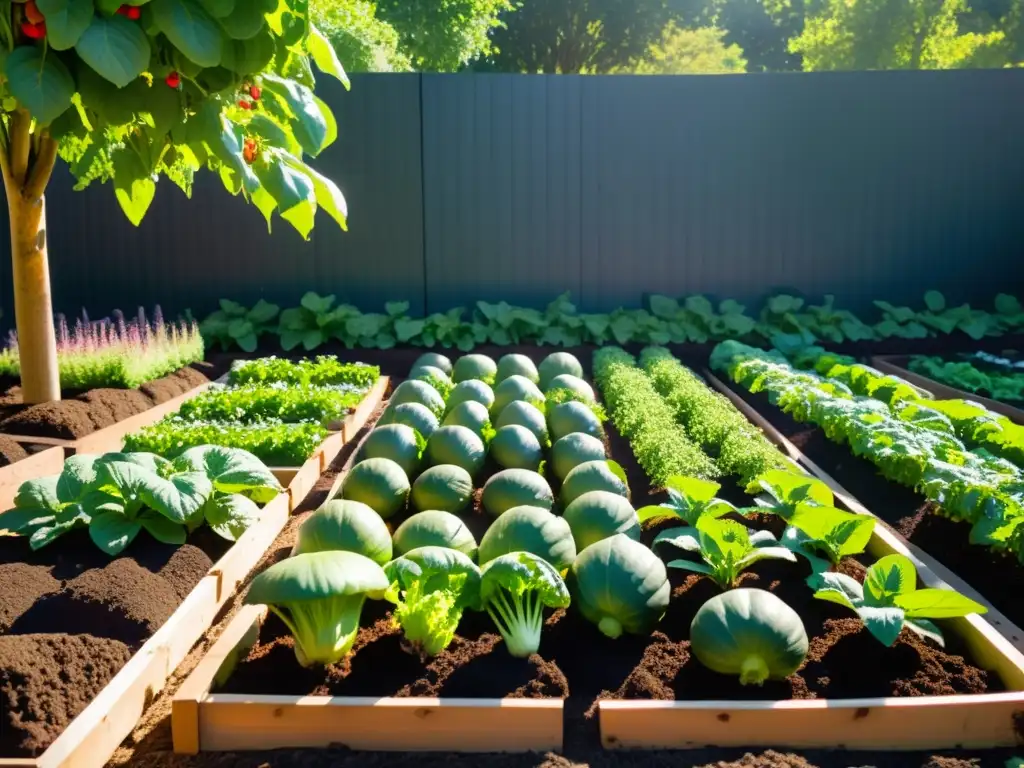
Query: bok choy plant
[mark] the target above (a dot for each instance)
(514, 589)
(889, 600)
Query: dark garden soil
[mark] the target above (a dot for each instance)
(998, 577)
(81, 413)
(71, 617)
(10, 451)
(652, 667)
(576, 662)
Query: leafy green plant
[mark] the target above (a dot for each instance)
(689, 499)
(726, 548)
(274, 442)
(831, 532)
(234, 325)
(324, 371)
(904, 322)
(889, 600)
(710, 419)
(514, 590)
(118, 495)
(289, 403)
(1008, 386)
(431, 587)
(640, 414)
(319, 596)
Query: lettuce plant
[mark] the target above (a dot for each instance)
(118, 495)
(514, 590)
(324, 371)
(319, 596)
(431, 587)
(725, 547)
(889, 600)
(254, 403)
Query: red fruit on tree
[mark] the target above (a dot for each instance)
(249, 153)
(255, 91)
(32, 13)
(34, 31)
(173, 80)
(244, 104)
(134, 13)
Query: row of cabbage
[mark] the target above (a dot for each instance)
(751, 632)
(937, 447)
(537, 426)
(279, 410)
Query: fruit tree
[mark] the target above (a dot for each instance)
(129, 92)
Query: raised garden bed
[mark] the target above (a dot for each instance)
(249, 693)
(896, 365)
(94, 639)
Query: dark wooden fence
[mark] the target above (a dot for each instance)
(517, 187)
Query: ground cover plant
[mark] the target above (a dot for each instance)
(115, 352)
(962, 374)
(324, 371)
(290, 403)
(663, 320)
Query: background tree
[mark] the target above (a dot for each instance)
(445, 35)
(364, 42)
(130, 92)
(894, 34)
(681, 51)
(585, 36)
(763, 28)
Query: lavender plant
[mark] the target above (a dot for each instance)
(116, 352)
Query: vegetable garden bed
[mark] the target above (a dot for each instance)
(249, 693)
(91, 640)
(896, 365)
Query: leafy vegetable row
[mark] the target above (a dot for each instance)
(118, 495)
(969, 485)
(279, 410)
(660, 444)
(1007, 386)
(318, 319)
(972, 423)
(710, 420)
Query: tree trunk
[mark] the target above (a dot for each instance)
(33, 306)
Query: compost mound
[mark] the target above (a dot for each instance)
(81, 414)
(46, 680)
(21, 585)
(10, 452)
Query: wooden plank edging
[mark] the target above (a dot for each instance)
(205, 721)
(886, 364)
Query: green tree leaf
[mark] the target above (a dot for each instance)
(245, 21)
(324, 56)
(190, 29)
(66, 21)
(308, 122)
(116, 48)
(219, 8)
(292, 189)
(133, 185)
(328, 196)
(41, 84)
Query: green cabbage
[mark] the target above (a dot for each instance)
(379, 483)
(346, 526)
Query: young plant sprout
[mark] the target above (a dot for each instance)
(515, 588)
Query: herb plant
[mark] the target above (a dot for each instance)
(116, 352)
(514, 589)
(324, 371)
(118, 495)
(725, 547)
(274, 442)
(289, 403)
(889, 600)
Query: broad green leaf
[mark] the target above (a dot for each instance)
(324, 56)
(891, 576)
(229, 515)
(925, 629)
(308, 122)
(884, 623)
(25, 520)
(112, 532)
(190, 29)
(219, 8)
(177, 499)
(247, 57)
(47, 534)
(232, 470)
(293, 191)
(684, 538)
(792, 487)
(160, 528)
(40, 83)
(66, 20)
(328, 197)
(40, 493)
(693, 488)
(690, 565)
(224, 139)
(245, 21)
(935, 301)
(79, 471)
(937, 604)
(133, 185)
(116, 48)
(767, 553)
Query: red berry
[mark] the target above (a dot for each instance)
(123, 10)
(255, 91)
(32, 13)
(249, 153)
(245, 104)
(134, 13)
(173, 80)
(33, 31)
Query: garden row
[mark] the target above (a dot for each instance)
(490, 492)
(111, 570)
(692, 319)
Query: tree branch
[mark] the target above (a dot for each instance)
(21, 143)
(42, 169)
